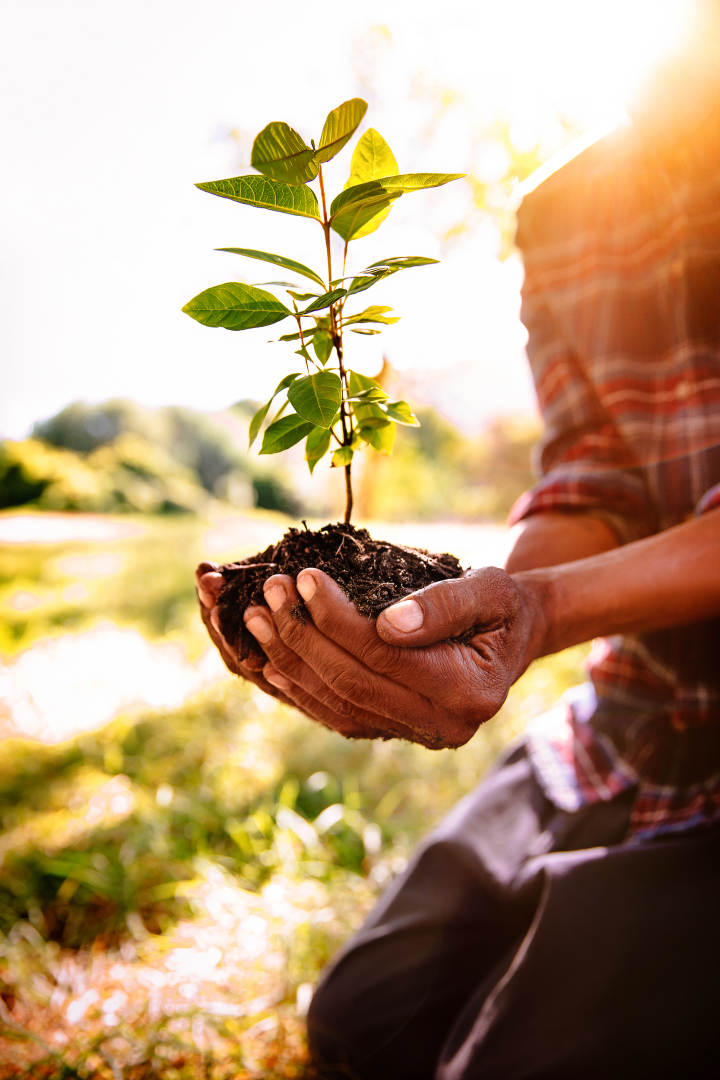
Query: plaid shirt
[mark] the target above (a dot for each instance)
(621, 301)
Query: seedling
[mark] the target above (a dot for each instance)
(333, 408)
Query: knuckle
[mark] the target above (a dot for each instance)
(341, 682)
(290, 629)
(377, 656)
(346, 711)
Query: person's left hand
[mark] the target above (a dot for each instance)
(399, 676)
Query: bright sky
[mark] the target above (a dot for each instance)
(111, 112)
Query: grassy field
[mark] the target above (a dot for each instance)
(179, 854)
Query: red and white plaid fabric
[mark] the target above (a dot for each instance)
(621, 301)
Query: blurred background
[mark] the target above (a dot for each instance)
(180, 855)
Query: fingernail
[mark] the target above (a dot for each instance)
(405, 616)
(306, 585)
(277, 680)
(275, 597)
(260, 628)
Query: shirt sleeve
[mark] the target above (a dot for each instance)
(582, 461)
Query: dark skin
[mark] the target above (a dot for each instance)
(567, 580)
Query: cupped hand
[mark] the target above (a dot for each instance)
(208, 583)
(256, 668)
(399, 676)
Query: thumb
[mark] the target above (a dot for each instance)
(479, 600)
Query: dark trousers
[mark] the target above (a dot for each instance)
(523, 941)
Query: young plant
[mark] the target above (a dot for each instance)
(328, 404)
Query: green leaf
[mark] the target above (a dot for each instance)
(323, 345)
(279, 260)
(366, 419)
(367, 332)
(302, 296)
(284, 433)
(342, 456)
(340, 126)
(354, 207)
(379, 270)
(324, 301)
(284, 284)
(380, 437)
(364, 281)
(357, 383)
(256, 422)
(280, 153)
(417, 181)
(236, 307)
(401, 413)
(368, 414)
(317, 397)
(317, 446)
(372, 159)
(308, 333)
(266, 194)
(373, 393)
(399, 262)
(373, 314)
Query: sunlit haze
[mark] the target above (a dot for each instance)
(112, 112)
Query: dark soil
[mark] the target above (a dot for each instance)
(373, 573)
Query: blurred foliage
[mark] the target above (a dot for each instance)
(122, 457)
(119, 456)
(436, 473)
(129, 474)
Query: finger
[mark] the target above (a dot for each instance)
(229, 656)
(437, 674)
(480, 600)
(209, 585)
(342, 672)
(337, 618)
(460, 682)
(287, 671)
(205, 568)
(326, 714)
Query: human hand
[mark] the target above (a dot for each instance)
(208, 583)
(399, 676)
(255, 667)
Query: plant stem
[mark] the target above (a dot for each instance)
(348, 494)
(336, 332)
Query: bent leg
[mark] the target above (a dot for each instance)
(616, 977)
(386, 1004)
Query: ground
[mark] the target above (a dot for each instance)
(180, 855)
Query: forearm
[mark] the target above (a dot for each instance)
(670, 579)
(555, 537)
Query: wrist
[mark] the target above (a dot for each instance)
(538, 595)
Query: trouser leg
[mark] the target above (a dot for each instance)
(617, 976)
(385, 1006)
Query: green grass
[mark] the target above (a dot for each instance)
(171, 882)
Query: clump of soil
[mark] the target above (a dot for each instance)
(373, 573)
